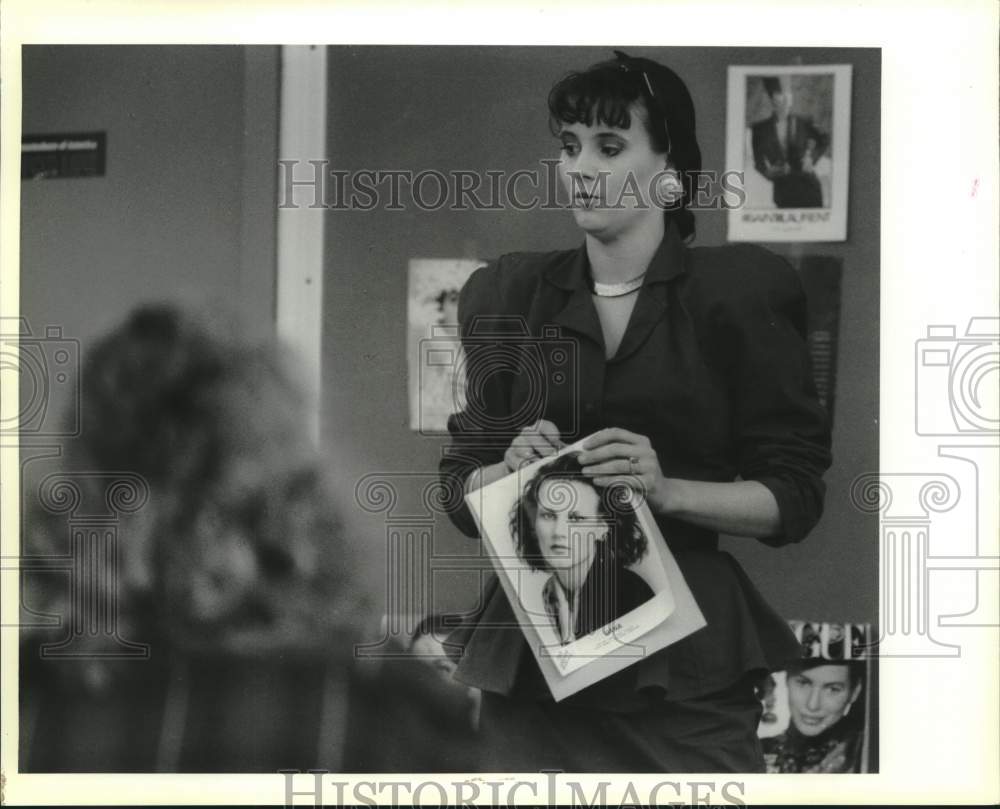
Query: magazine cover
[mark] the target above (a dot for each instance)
(820, 712)
(586, 570)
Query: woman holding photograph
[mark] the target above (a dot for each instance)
(692, 374)
(567, 528)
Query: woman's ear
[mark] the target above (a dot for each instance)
(669, 189)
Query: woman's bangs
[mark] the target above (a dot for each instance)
(591, 99)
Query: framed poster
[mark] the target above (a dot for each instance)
(586, 570)
(788, 132)
(434, 349)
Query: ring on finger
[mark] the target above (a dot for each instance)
(633, 464)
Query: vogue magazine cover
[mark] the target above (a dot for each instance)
(820, 712)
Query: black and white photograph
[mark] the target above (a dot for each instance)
(585, 568)
(437, 406)
(819, 711)
(280, 499)
(789, 133)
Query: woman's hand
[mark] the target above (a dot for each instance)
(616, 456)
(740, 508)
(540, 440)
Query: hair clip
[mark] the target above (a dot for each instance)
(627, 63)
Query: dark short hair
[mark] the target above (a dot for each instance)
(772, 85)
(626, 541)
(605, 94)
(855, 668)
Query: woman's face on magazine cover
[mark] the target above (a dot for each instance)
(609, 174)
(569, 524)
(819, 697)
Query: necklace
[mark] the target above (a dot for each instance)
(617, 290)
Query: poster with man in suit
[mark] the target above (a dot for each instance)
(786, 147)
(787, 134)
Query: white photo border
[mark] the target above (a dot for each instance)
(669, 616)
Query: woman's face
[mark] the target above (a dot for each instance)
(569, 524)
(610, 175)
(819, 697)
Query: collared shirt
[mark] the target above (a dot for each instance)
(561, 607)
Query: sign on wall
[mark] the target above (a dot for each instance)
(46, 157)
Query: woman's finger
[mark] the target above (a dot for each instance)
(550, 433)
(518, 455)
(609, 451)
(539, 444)
(616, 466)
(637, 483)
(610, 435)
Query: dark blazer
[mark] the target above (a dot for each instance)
(796, 188)
(713, 368)
(609, 591)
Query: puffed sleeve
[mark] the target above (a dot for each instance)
(477, 434)
(782, 431)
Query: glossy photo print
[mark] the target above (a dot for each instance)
(592, 582)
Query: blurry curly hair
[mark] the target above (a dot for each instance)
(239, 547)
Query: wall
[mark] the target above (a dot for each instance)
(470, 108)
(185, 211)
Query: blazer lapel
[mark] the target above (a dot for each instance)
(651, 305)
(578, 314)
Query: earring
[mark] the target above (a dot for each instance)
(669, 189)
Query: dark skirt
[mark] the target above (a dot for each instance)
(712, 733)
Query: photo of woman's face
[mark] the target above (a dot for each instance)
(819, 697)
(569, 524)
(608, 173)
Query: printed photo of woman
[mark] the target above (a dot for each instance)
(565, 526)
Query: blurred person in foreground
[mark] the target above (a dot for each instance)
(235, 571)
(408, 714)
